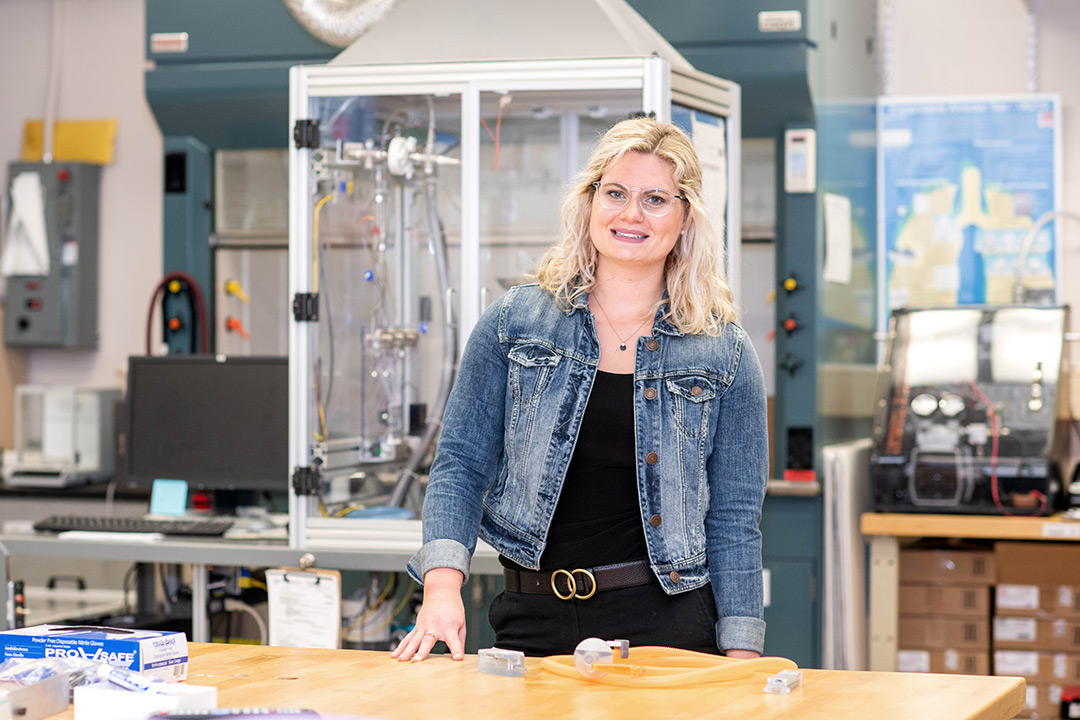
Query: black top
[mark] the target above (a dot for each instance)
(598, 517)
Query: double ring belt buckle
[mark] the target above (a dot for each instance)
(572, 585)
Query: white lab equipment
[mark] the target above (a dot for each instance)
(64, 435)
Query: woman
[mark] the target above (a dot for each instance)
(618, 465)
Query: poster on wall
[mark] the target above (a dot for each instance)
(961, 182)
(709, 135)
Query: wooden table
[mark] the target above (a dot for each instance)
(884, 530)
(371, 684)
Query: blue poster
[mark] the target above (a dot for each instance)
(962, 181)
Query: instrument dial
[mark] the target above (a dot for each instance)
(924, 404)
(951, 405)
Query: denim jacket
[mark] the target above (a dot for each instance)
(512, 421)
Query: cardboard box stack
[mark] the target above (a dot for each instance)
(944, 610)
(1036, 629)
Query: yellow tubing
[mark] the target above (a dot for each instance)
(654, 666)
(315, 243)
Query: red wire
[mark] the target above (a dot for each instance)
(495, 137)
(994, 454)
(200, 307)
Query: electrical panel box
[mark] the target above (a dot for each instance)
(800, 160)
(50, 256)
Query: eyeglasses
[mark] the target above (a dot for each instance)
(656, 202)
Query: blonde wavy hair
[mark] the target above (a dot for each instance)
(699, 298)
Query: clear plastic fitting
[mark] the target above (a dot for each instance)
(502, 662)
(783, 682)
(594, 651)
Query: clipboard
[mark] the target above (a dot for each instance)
(304, 607)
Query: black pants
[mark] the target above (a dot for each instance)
(540, 625)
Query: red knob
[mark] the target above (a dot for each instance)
(233, 324)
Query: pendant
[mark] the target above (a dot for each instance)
(622, 346)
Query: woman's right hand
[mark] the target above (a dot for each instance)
(441, 617)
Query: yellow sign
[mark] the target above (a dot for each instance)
(86, 141)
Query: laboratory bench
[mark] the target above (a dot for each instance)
(20, 507)
(884, 532)
(88, 491)
(358, 683)
(387, 548)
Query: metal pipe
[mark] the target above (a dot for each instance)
(1025, 248)
(52, 89)
(1032, 43)
(446, 379)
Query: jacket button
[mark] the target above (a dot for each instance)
(650, 393)
(674, 577)
(695, 391)
(652, 458)
(652, 344)
(655, 521)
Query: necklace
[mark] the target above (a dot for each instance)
(622, 342)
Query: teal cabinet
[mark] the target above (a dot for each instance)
(791, 554)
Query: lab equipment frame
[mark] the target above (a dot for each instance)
(649, 85)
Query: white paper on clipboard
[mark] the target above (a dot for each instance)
(304, 607)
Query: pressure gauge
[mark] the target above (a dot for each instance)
(924, 404)
(951, 405)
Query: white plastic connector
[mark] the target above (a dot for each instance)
(784, 682)
(502, 662)
(589, 651)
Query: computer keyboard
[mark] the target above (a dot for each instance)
(91, 523)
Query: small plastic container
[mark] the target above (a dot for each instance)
(502, 662)
(783, 682)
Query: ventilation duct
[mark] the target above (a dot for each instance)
(429, 31)
(338, 22)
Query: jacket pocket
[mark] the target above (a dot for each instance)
(531, 368)
(691, 401)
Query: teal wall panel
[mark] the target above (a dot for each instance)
(230, 89)
(188, 220)
(686, 23)
(792, 553)
(232, 31)
(789, 617)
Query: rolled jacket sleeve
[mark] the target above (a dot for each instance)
(740, 633)
(439, 553)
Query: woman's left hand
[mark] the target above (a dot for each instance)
(742, 654)
(441, 617)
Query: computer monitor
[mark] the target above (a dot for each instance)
(221, 423)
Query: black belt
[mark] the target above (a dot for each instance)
(580, 583)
